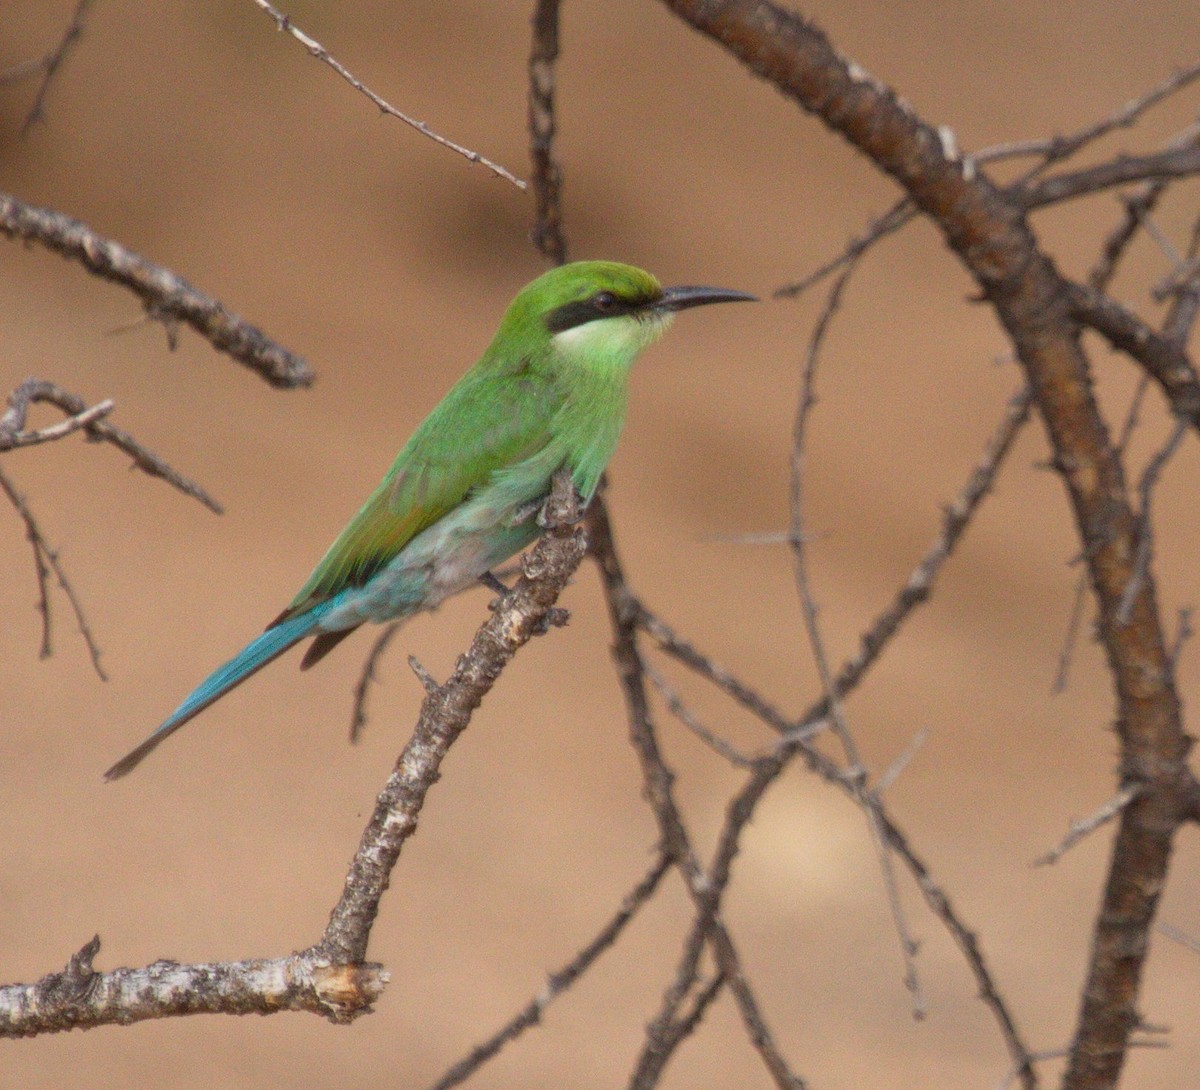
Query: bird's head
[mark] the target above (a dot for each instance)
(603, 308)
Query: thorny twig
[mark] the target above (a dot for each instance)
(284, 23)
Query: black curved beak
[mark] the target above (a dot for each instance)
(683, 297)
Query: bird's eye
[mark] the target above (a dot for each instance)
(604, 301)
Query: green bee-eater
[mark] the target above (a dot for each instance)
(463, 495)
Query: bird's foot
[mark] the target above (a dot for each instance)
(547, 521)
(489, 580)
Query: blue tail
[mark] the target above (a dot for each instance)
(270, 645)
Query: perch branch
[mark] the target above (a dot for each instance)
(445, 713)
(330, 977)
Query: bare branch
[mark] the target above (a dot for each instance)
(560, 980)
(34, 390)
(167, 298)
(1181, 937)
(896, 217)
(680, 710)
(1171, 163)
(1059, 148)
(46, 560)
(1145, 536)
(445, 713)
(358, 717)
(284, 23)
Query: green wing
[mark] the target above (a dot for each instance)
(487, 422)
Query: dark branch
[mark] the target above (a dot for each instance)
(1171, 163)
(558, 981)
(548, 235)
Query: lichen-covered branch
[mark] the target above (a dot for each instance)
(79, 997)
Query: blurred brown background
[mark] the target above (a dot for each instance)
(203, 139)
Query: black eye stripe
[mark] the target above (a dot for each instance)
(603, 304)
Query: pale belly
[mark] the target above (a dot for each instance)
(446, 558)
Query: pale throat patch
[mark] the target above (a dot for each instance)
(625, 335)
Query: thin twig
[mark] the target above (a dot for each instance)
(1062, 147)
(893, 771)
(856, 772)
(284, 23)
(680, 710)
(44, 557)
(358, 716)
(1171, 163)
(168, 298)
(1179, 936)
(1084, 827)
(559, 980)
(52, 62)
(1117, 243)
(900, 214)
(1145, 537)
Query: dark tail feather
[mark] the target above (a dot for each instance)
(322, 645)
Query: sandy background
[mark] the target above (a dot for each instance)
(198, 136)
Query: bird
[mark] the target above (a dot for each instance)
(464, 493)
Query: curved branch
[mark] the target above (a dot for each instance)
(168, 298)
(1162, 357)
(80, 416)
(316, 49)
